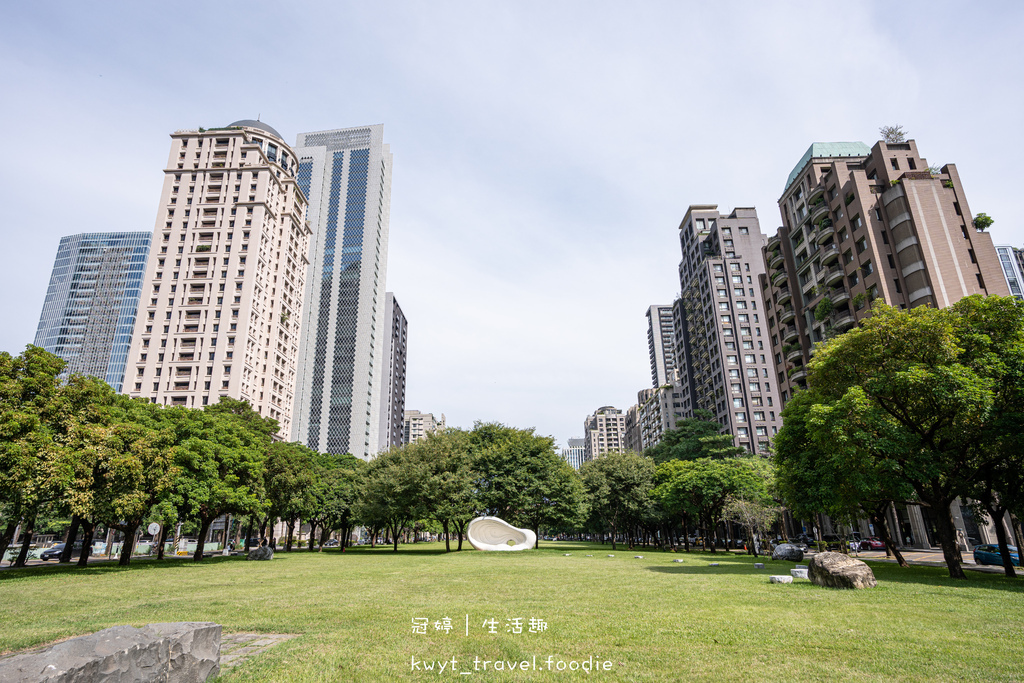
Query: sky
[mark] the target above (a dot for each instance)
(544, 152)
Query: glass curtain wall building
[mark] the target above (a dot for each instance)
(90, 306)
(346, 175)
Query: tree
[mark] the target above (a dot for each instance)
(618, 488)
(521, 478)
(892, 134)
(393, 491)
(700, 488)
(926, 393)
(451, 497)
(333, 496)
(695, 437)
(290, 478)
(220, 452)
(820, 469)
(982, 221)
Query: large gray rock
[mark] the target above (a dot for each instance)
(193, 649)
(835, 570)
(262, 553)
(171, 653)
(788, 551)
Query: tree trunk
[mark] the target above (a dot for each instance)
(997, 514)
(878, 518)
(69, 542)
(26, 542)
(291, 533)
(204, 528)
(87, 531)
(395, 528)
(162, 543)
(312, 536)
(536, 537)
(128, 546)
(248, 535)
(8, 535)
(461, 529)
(263, 526)
(1015, 525)
(947, 537)
(686, 534)
(447, 541)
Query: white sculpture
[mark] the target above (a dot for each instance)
(492, 533)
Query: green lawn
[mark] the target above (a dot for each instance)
(653, 619)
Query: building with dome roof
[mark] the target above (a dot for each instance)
(222, 297)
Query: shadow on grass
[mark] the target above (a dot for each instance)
(112, 566)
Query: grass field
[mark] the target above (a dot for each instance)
(652, 619)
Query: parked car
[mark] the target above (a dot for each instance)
(989, 554)
(872, 543)
(333, 543)
(53, 553)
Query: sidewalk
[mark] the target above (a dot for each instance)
(926, 558)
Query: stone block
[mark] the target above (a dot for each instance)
(262, 553)
(759, 565)
(780, 579)
(638, 557)
(165, 653)
(677, 560)
(787, 551)
(713, 564)
(835, 570)
(798, 573)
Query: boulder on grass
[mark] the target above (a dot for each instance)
(835, 570)
(788, 551)
(262, 553)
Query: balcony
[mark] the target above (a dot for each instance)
(819, 211)
(825, 232)
(773, 242)
(794, 353)
(787, 314)
(816, 192)
(843, 320)
(783, 295)
(778, 277)
(798, 374)
(775, 259)
(790, 334)
(839, 295)
(832, 275)
(829, 253)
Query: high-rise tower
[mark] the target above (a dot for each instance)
(222, 295)
(90, 306)
(392, 398)
(346, 174)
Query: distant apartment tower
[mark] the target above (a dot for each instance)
(728, 364)
(89, 312)
(346, 174)
(223, 291)
(604, 431)
(392, 400)
(573, 453)
(1010, 262)
(862, 223)
(417, 425)
(661, 343)
(658, 410)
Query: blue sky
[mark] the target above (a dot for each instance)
(545, 152)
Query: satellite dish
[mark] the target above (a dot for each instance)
(153, 529)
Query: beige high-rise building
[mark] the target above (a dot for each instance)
(223, 291)
(417, 426)
(604, 431)
(859, 223)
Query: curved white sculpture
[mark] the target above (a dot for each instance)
(492, 533)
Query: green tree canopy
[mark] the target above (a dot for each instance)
(695, 437)
(618, 487)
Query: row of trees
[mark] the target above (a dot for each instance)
(924, 406)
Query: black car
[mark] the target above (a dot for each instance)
(54, 552)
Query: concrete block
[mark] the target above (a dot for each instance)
(780, 579)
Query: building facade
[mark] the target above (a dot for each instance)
(223, 292)
(417, 426)
(346, 174)
(392, 399)
(661, 344)
(89, 313)
(859, 224)
(604, 431)
(1010, 262)
(721, 321)
(573, 453)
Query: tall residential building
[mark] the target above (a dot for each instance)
(658, 410)
(604, 431)
(573, 453)
(1010, 262)
(346, 174)
(660, 344)
(632, 439)
(223, 292)
(90, 307)
(392, 399)
(860, 223)
(728, 364)
(417, 425)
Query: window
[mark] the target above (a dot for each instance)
(734, 266)
(737, 402)
(726, 318)
(737, 388)
(723, 292)
(743, 317)
(847, 257)
(862, 245)
(895, 164)
(744, 231)
(734, 374)
(740, 304)
(723, 305)
(741, 417)
(867, 268)
(732, 360)
(749, 358)
(745, 331)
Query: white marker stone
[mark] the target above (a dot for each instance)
(780, 579)
(759, 565)
(798, 573)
